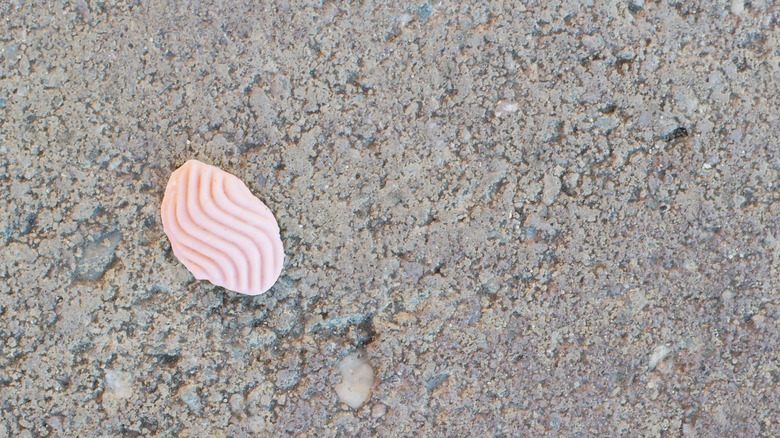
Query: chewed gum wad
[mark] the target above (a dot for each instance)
(220, 231)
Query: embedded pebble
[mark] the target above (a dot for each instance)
(659, 354)
(98, 256)
(189, 395)
(357, 378)
(119, 383)
(506, 108)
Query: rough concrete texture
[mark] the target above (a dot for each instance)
(535, 218)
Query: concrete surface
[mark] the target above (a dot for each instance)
(534, 218)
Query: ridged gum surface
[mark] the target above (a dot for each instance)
(220, 231)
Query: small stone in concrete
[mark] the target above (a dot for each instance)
(98, 256)
(506, 108)
(357, 377)
(659, 354)
(119, 384)
(189, 395)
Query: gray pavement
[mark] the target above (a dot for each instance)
(531, 218)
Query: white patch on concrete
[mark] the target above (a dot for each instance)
(737, 6)
(119, 383)
(659, 354)
(506, 108)
(357, 378)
